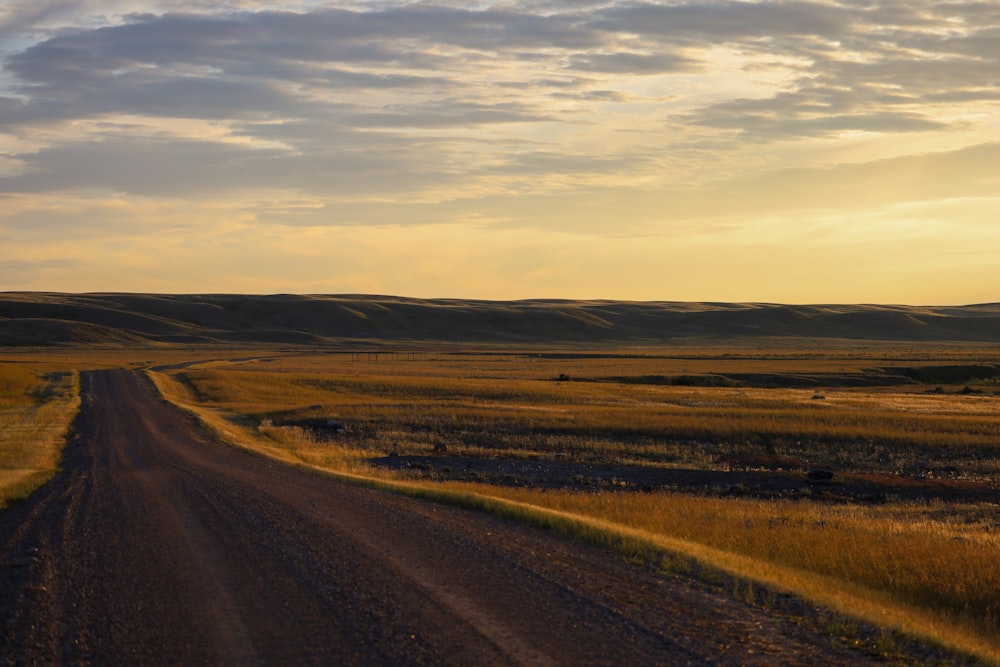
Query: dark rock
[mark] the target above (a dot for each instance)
(819, 476)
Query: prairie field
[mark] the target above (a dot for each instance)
(700, 454)
(647, 411)
(697, 458)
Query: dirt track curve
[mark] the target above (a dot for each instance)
(157, 545)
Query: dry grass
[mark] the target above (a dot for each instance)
(512, 405)
(926, 568)
(36, 409)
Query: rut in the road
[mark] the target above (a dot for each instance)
(159, 545)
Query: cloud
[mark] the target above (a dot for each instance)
(959, 174)
(599, 119)
(171, 167)
(632, 63)
(816, 112)
(960, 181)
(723, 21)
(433, 64)
(139, 166)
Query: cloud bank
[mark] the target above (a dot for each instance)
(599, 121)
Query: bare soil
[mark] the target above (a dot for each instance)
(158, 545)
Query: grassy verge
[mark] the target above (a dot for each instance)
(896, 569)
(36, 411)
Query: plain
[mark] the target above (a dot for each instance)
(695, 457)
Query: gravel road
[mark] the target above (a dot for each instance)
(158, 545)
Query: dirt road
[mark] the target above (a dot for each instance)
(157, 545)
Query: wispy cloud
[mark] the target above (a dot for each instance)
(608, 119)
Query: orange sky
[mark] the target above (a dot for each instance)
(794, 152)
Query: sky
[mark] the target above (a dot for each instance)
(802, 151)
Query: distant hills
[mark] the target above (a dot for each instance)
(128, 319)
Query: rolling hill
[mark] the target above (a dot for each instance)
(33, 318)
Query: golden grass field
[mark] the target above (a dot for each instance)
(907, 536)
(36, 408)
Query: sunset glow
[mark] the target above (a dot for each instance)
(805, 151)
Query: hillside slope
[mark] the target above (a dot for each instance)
(80, 319)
